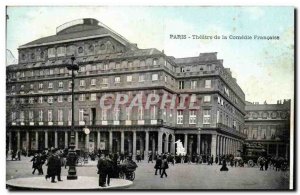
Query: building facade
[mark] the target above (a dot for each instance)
(39, 96)
(269, 125)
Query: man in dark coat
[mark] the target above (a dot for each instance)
(109, 169)
(51, 170)
(35, 163)
(158, 165)
(58, 165)
(102, 170)
(164, 166)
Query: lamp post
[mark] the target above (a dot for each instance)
(72, 156)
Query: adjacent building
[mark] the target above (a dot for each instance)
(269, 125)
(39, 96)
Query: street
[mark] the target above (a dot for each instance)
(180, 176)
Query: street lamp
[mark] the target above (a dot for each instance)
(72, 156)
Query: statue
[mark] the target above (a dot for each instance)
(180, 149)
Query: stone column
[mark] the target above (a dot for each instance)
(173, 144)
(87, 140)
(98, 140)
(66, 139)
(185, 142)
(217, 145)
(76, 139)
(110, 142)
(159, 142)
(37, 140)
(225, 145)
(146, 145)
(198, 143)
(153, 146)
(18, 140)
(46, 139)
(134, 145)
(27, 141)
(55, 139)
(214, 145)
(167, 143)
(122, 142)
(221, 145)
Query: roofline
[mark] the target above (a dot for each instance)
(75, 39)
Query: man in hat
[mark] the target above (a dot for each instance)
(51, 170)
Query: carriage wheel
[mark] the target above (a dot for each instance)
(250, 163)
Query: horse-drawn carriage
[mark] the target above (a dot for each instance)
(127, 170)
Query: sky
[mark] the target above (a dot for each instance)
(264, 69)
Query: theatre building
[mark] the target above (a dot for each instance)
(39, 96)
(269, 125)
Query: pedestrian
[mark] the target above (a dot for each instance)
(58, 163)
(261, 163)
(164, 166)
(122, 156)
(34, 161)
(13, 155)
(158, 165)
(150, 157)
(51, 170)
(224, 166)
(19, 154)
(109, 169)
(267, 164)
(211, 159)
(101, 170)
(41, 162)
(189, 159)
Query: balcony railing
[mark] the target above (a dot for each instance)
(230, 130)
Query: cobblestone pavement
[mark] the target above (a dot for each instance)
(180, 176)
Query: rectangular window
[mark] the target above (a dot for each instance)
(41, 72)
(117, 79)
(128, 113)
(105, 81)
(207, 83)
(179, 117)
(60, 98)
(22, 117)
(82, 83)
(30, 115)
(60, 115)
(105, 67)
(61, 51)
(41, 116)
(40, 85)
(31, 86)
(50, 99)
(50, 85)
(140, 113)
(51, 52)
(40, 100)
(104, 115)
(81, 115)
(51, 72)
(192, 119)
(93, 97)
(218, 116)
(129, 78)
(61, 71)
(154, 77)
(70, 115)
(50, 116)
(193, 84)
(93, 82)
(30, 101)
(141, 78)
(13, 116)
(116, 114)
(207, 98)
(206, 116)
(60, 84)
(22, 100)
(155, 62)
(181, 84)
(82, 69)
(70, 98)
(153, 112)
(82, 97)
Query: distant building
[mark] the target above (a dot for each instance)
(39, 96)
(269, 125)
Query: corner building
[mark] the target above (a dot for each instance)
(39, 96)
